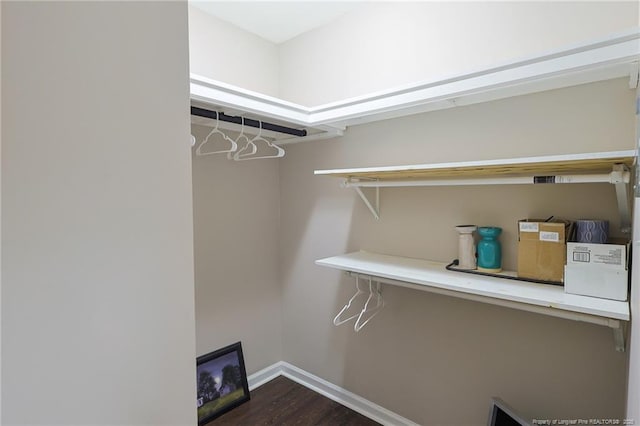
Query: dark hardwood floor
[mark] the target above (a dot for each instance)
(284, 402)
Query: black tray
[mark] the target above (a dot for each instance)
(454, 263)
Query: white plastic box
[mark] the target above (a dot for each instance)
(597, 270)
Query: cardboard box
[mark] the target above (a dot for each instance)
(542, 249)
(596, 281)
(598, 270)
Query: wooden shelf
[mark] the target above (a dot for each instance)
(595, 167)
(433, 277)
(597, 162)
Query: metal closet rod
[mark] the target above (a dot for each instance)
(201, 112)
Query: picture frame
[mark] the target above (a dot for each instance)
(221, 382)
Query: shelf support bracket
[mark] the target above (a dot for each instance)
(375, 211)
(374, 208)
(634, 75)
(618, 334)
(623, 196)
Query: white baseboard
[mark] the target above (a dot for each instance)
(331, 391)
(265, 375)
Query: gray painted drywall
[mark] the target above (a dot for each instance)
(431, 358)
(97, 241)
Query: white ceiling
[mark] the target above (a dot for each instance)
(277, 21)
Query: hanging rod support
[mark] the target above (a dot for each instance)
(201, 112)
(615, 177)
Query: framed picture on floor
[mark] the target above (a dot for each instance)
(222, 382)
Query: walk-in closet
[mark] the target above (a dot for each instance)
(319, 213)
(339, 248)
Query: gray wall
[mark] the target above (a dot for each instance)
(435, 359)
(380, 46)
(222, 51)
(236, 220)
(97, 242)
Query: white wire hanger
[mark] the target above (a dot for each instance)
(233, 146)
(359, 292)
(242, 139)
(364, 319)
(367, 313)
(244, 154)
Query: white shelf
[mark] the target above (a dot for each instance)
(592, 162)
(606, 58)
(612, 167)
(433, 277)
(593, 167)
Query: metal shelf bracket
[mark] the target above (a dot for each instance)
(374, 207)
(634, 75)
(620, 179)
(618, 334)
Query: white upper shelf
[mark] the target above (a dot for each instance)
(594, 162)
(433, 277)
(612, 57)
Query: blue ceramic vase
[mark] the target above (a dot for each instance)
(489, 249)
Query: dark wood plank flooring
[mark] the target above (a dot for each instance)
(285, 402)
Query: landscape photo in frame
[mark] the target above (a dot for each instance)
(222, 382)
